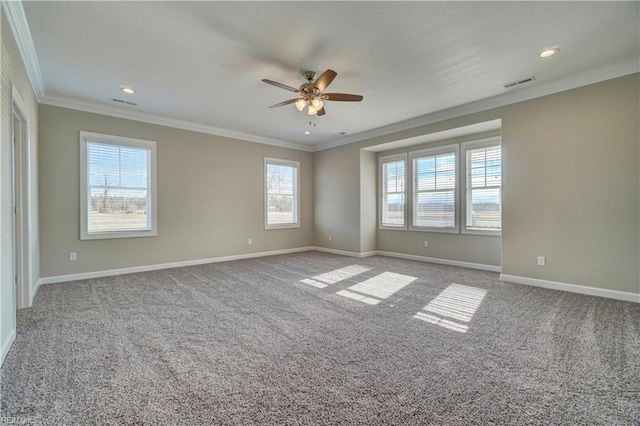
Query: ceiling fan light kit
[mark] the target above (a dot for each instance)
(310, 93)
(300, 104)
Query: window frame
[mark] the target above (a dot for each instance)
(288, 163)
(391, 159)
(84, 139)
(429, 152)
(468, 146)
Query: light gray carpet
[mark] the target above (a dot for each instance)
(248, 342)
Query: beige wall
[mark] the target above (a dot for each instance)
(336, 197)
(13, 73)
(571, 186)
(571, 189)
(210, 197)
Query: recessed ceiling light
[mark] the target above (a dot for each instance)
(307, 132)
(127, 90)
(549, 51)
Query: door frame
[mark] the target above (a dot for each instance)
(21, 191)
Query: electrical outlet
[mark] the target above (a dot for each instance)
(542, 261)
(73, 256)
(426, 243)
(329, 237)
(250, 241)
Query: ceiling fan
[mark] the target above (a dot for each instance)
(310, 93)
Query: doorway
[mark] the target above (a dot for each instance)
(20, 194)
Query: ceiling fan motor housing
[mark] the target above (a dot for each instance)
(309, 75)
(307, 90)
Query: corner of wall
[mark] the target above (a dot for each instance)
(6, 346)
(368, 207)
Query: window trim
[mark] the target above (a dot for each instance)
(381, 161)
(86, 137)
(290, 163)
(467, 146)
(428, 152)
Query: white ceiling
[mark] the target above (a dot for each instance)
(203, 61)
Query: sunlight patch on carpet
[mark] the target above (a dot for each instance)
(332, 277)
(314, 283)
(358, 297)
(455, 304)
(379, 287)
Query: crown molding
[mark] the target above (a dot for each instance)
(146, 117)
(583, 79)
(20, 29)
(21, 33)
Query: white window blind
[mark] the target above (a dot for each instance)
(118, 187)
(434, 191)
(483, 188)
(281, 193)
(393, 192)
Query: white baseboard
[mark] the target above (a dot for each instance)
(481, 266)
(592, 291)
(6, 345)
(345, 253)
(462, 264)
(134, 269)
(573, 288)
(34, 291)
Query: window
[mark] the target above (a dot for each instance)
(117, 187)
(282, 198)
(448, 186)
(483, 186)
(393, 178)
(434, 189)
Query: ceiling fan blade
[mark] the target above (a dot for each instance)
(321, 111)
(290, 101)
(280, 85)
(342, 97)
(325, 79)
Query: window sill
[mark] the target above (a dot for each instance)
(439, 230)
(276, 227)
(118, 235)
(486, 233)
(392, 228)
